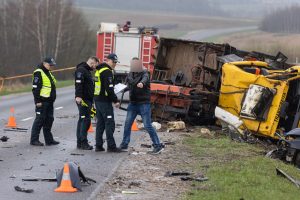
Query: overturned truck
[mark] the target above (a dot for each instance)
(186, 79)
(250, 93)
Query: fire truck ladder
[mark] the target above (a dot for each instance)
(146, 56)
(107, 47)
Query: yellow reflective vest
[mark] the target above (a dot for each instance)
(98, 81)
(46, 83)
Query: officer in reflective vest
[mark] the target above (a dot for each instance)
(104, 97)
(44, 92)
(84, 94)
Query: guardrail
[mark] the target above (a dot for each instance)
(3, 79)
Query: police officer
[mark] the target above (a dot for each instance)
(44, 92)
(84, 93)
(104, 97)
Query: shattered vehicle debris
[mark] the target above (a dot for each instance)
(288, 148)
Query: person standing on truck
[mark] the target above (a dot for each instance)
(84, 94)
(44, 93)
(104, 98)
(138, 82)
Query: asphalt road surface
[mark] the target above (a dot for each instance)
(20, 160)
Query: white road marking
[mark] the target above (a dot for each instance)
(58, 108)
(26, 119)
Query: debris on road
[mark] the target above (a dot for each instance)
(134, 184)
(19, 189)
(156, 125)
(129, 192)
(13, 176)
(4, 138)
(283, 174)
(177, 173)
(22, 130)
(40, 179)
(7, 147)
(189, 178)
(30, 168)
(76, 154)
(168, 143)
(146, 145)
(175, 125)
(138, 153)
(205, 131)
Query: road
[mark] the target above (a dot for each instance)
(21, 160)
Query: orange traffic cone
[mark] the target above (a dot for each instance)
(134, 126)
(66, 184)
(91, 130)
(11, 120)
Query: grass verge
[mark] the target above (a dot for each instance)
(27, 88)
(238, 171)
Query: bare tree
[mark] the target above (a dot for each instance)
(31, 30)
(285, 20)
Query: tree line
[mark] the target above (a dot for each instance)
(31, 30)
(285, 20)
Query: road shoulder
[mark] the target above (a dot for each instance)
(144, 174)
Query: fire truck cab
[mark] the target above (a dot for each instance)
(127, 42)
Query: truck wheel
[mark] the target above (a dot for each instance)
(297, 160)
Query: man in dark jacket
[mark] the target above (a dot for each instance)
(104, 97)
(84, 94)
(44, 92)
(138, 82)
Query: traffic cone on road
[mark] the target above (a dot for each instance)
(134, 126)
(91, 130)
(66, 184)
(11, 120)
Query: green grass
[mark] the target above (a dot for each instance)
(238, 171)
(28, 87)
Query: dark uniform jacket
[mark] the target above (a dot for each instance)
(107, 93)
(136, 94)
(37, 83)
(84, 83)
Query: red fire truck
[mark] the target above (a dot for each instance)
(127, 42)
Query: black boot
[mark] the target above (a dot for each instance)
(86, 147)
(52, 143)
(37, 143)
(98, 149)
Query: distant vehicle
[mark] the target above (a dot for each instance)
(127, 42)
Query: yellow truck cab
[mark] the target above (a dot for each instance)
(264, 99)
